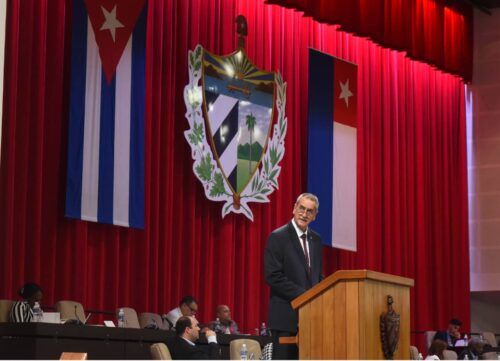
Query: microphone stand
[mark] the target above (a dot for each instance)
(76, 321)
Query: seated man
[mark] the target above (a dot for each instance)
(183, 347)
(452, 334)
(224, 323)
(187, 307)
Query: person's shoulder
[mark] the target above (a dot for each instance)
(173, 312)
(441, 335)
(178, 342)
(19, 304)
(284, 229)
(432, 357)
(315, 236)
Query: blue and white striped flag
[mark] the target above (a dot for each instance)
(332, 147)
(105, 180)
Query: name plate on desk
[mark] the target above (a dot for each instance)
(109, 324)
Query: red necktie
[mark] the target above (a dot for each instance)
(306, 254)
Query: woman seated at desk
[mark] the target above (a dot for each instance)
(22, 311)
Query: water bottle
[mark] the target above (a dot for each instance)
(37, 313)
(263, 329)
(466, 357)
(121, 318)
(217, 327)
(154, 325)
(466, 341)
(420, 357)
(244, 352)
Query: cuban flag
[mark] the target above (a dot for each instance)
(105, 180)
(332, 147)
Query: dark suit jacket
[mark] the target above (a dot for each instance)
(287, 273)
(180, 349)
(443, 335)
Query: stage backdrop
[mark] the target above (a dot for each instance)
(412, 206)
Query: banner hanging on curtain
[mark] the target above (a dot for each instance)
(332, 147)
(235, 148)
(105, 180)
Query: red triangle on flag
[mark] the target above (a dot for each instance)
(345, 92)
(113, 22)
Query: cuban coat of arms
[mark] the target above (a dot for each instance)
(235, 147)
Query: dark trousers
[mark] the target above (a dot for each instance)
(284, 352)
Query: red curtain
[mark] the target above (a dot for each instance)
(438, 32)
(412, 170)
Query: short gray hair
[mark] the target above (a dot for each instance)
(309, 196)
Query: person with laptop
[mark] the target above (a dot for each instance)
(452, 333)
(22, 311)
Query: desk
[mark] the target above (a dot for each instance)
(47, 341)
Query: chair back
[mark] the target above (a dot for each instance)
(70, 310)
(146, 319)
(160, 351)
(253, 347)
(131, 319)
(413, 352)
(489, 337)
(429, 337)
(5, 306)
(450, 355)
(489, 356)
(73, 356)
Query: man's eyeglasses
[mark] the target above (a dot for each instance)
(307, 211)
(192, 308)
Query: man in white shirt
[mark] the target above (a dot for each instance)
(187, 307)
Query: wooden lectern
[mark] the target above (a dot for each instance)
(339, 318)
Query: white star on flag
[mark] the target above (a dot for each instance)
(111, 22)
(345, 92)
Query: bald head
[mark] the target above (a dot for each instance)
(223, 313)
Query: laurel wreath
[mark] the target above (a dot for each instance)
(265, 179)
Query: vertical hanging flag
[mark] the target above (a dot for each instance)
(332, 123)
(105, 180)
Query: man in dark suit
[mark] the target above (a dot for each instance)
(292, 264)
(452, 333)
(183, 347)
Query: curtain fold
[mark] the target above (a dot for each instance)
(438, 32)
(411, 166)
